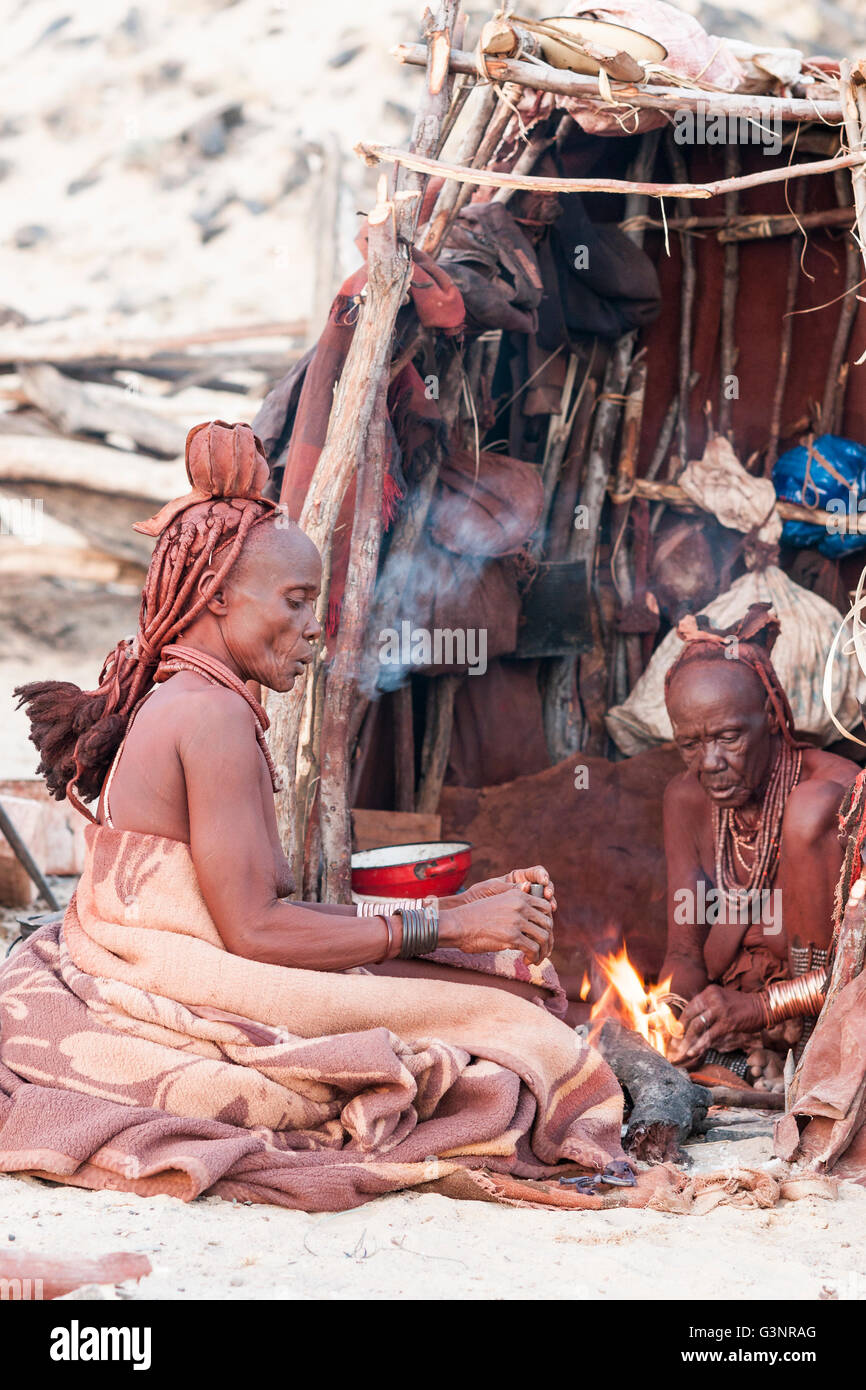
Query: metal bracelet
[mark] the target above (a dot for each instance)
(796, 998)
(420, 930)
(386, 908)
(389, 947)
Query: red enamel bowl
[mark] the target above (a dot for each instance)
(411, 871)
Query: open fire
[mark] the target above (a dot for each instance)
(644, 1009)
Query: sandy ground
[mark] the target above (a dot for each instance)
(424, 1245)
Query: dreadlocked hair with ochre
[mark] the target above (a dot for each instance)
(748, 642)
(78, 732)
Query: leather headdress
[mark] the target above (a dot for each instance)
(223, 461)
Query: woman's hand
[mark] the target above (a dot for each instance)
(517, 878)
(505, 919)
(712, 1018)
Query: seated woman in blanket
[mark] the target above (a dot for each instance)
(183, 902)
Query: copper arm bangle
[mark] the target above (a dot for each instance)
(390, 946)
(802, 996)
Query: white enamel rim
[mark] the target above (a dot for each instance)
(395, 856)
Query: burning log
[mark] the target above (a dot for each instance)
(731, 1097)
(665, 1104)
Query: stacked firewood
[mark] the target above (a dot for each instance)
(92, 437)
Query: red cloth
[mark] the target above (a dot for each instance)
(438, 304)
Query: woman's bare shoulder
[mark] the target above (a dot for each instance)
(190, 703)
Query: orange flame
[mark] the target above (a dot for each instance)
(585, 986)
(641, 1008)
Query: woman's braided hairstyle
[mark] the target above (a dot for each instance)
(749, 642)
(78, 732)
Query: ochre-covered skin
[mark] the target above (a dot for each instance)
(191, 770)
(728, 734)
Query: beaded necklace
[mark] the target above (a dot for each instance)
(178, 657)
(763, 840)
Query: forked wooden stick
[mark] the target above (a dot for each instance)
(541, 77)
(540, 183)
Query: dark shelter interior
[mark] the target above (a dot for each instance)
(558, 360)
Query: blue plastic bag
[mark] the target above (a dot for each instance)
(839, 489)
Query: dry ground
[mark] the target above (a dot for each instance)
(409, 1246)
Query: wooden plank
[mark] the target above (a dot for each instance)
(371, 829)
(29, 458)
(80, 407)
(24, 346)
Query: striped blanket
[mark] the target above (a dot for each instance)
(137, 1053)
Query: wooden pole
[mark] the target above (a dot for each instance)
(621, 567)
(564, 727)
(626, 646)
(687, 303)
(673, 495)
(529, 156)
(559, 430)
(366, 366)
(541, 77)
(730, 286)
(786, 336)
(747, 226)
(352, 434)
(437, 741)
(539, 183)
(480, 107)
(449, 203)
(344, 674)
(404, 749)
(432, 111)
(837, 370)
(854, 130)
(560, 527)
(25, 858)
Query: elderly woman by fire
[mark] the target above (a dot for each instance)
(753, 852)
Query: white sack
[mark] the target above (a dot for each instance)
(808, 626)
